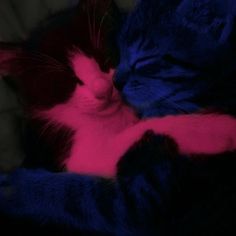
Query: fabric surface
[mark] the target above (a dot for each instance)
(156, 196)
(18, 18)
(11, 126)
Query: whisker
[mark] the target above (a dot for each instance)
(47, 66)
(50, 127)
(177, 107)
(94, 22)
(40, 75)
(101, 23)
(89, 21)
(46, 127)
(44, 61)
(52, 59)
(43, 56)
(52, 69)
(40, 61)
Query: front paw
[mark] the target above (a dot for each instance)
(203, 134)
(149, 151)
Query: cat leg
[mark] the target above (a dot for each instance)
(194, 134)
(208, 134)
(127, 138)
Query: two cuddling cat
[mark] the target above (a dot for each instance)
(104, 127)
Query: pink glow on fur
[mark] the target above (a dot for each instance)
(105, 128)
(5, 57)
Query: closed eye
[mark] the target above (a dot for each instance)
(176, 61)
(73, 77)
(76, 78)
(150, 65)
(143, 61)
(79, 81)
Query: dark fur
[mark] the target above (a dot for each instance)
(167, 195)
(179, 57)
(44, 76)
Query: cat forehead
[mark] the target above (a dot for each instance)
(87, 68)
(84, 66)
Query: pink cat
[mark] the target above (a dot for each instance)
(105, 128)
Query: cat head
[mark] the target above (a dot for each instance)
(93, 97)
(95, 92)
(178, 57)
(43, 67)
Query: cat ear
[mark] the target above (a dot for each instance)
(8, 57)
(5, 58)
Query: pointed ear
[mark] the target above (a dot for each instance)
(98, 20)
(8, 55)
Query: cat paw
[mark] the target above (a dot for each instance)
(147, 152)
(203, 134)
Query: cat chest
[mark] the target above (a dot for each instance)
(93, 154)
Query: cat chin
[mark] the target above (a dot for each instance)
(111, 110)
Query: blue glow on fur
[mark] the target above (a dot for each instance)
(172, 51)
(158, 193)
